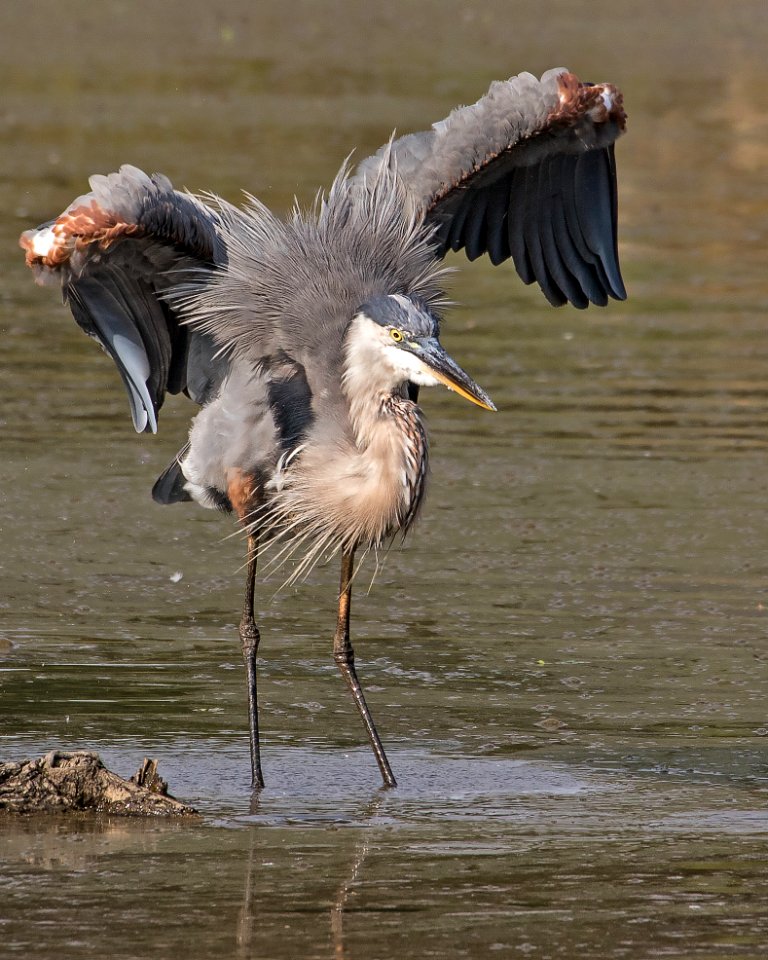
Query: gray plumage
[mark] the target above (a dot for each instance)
(305, 340)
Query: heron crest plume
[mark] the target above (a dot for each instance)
(291, 281)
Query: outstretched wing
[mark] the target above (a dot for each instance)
(115, 252)
(527, 172)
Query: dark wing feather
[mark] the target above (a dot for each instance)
(527, 172)
(169, 486)
(516, 223)
(573, 256)
(570, 290)
(596, 208)
(475, 228)
(497, 213)
(454, 228)
(116, 252)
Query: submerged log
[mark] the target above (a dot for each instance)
(79, 782)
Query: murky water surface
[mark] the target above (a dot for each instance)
(569, 662)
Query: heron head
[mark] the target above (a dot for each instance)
(404, 333)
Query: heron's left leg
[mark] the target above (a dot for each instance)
(249, 638)
(344, 656)
(245, 495)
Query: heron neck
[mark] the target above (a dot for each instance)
(390, 437)
(370, 387)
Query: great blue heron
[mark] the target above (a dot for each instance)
(305, 340)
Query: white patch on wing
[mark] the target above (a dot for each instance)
(43, 241)
(195, 486)
(138, 409)
(134, 359)
(601, 112)
(200, 495)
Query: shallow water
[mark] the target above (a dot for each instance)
(567, 663)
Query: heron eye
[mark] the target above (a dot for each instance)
(396, 335)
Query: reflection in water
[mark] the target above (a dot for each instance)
(251, 912)
(248, 915)
(74, 843)
(342, 894)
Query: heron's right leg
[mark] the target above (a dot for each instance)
(344, 656)
(245, 495)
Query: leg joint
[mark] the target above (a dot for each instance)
(249, 638)
(344, 656)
